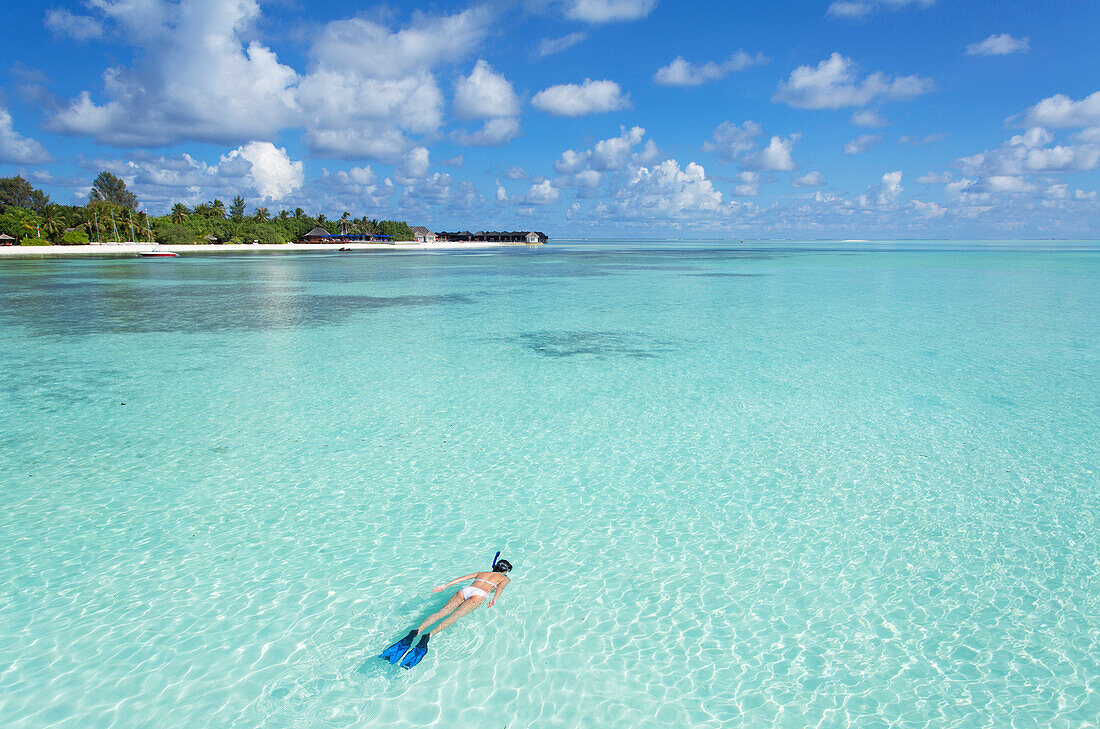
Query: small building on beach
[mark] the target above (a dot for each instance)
(7, 240)
(422, 234)
(317, 235)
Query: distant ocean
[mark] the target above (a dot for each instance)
(783, 484)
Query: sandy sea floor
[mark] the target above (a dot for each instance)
(752, 486)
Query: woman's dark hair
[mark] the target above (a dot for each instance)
(501, 565)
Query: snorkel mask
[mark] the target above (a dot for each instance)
(501, 565)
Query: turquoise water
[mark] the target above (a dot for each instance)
(781, 486)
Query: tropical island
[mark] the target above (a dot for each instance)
(111, 216)
(27, 217)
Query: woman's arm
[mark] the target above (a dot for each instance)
(499, 590)
(455, 581)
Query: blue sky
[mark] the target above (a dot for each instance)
(813, 118)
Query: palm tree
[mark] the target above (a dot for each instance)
(108, 217)
(23, 219)
(262, 215)
(298, 213)
(321, 219)
(284, 214)
(142, 229)
(53, 225)
(236, 210)
(217, 207)
(179, 213)
(344, 222)
(87, 221)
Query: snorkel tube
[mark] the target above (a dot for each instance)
(501, 565)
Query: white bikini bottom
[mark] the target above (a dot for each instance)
(468, 592)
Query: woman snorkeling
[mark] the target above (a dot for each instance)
(462, 603)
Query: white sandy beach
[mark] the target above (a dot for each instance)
(132, 249)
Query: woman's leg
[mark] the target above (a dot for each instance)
(467, 606)
(454, 602)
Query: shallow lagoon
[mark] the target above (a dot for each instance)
(758, 486)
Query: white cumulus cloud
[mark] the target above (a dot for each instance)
(413, 167)
(199, 74)
(571, 162)
(550, 46)
(607, 11)
(272, 173)
(196, 78)
(1060, 111)
(869, 119)
(588, 179)
(351, 116)
(682, 73)
(637, 184)
(926, 139)
(884, 194)
(667, 190)
(1031, 152)
(731, 140)
(365, 104)
(862, 143)
(858, 9)
(65, 24)
(375, 51)
(485, 94)
(998, 45)
(590, 97)
(15, 149)
(614, 153)
(256, 171)
(542, 193)
(776, 156)
(493, 132)
(929, 209)
(835, 83)
(810, 179)
(1008, 183)
(749, 184)
(935, 178)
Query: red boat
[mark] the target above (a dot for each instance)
(158, 254)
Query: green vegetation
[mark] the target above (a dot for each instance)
(235, 225)
(110, 189)
(111, 215)
(15, 192)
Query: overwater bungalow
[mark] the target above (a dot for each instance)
(530, 237)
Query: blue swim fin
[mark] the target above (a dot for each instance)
(416, 655)
(394, 652)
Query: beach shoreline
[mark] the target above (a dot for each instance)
(132, 249)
